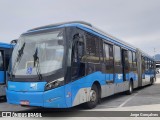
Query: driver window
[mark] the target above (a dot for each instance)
(78, 66)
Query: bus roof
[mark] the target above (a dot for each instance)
(58, 24)
(5, 45)
(89, 28)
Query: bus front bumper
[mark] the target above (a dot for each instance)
(49, 99)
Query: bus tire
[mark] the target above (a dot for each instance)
(93, 98)
(130, 91)
(151, 81)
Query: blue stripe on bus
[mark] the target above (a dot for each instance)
(5, 45)
(57, 97)
(26, 86)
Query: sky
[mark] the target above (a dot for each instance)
(134, 21)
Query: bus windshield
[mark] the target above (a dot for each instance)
(49, 47)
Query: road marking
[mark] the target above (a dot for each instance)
(121, 105)
(107, 106)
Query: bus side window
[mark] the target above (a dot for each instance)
(92, 48)
(1, 61)
(134, 60)
(146, 63)
(150, 64)
(143, 64)
(117, 56)
(101, 50)
(108, 51)
(130, 59)
(118, 60)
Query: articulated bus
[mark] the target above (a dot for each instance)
(5, 54)
(67, 64)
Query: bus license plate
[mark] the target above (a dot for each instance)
(24, 102)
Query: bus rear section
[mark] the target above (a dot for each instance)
(69, 64)
(5, 54)
(146, 69)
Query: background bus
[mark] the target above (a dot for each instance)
(5, 54)
(67, 64)
(158, 68)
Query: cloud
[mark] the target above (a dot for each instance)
(147, 43)
(135, 21)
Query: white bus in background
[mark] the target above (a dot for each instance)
(158, 68)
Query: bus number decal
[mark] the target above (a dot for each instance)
(119, 76)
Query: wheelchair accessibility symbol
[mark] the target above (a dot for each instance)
(29, 70)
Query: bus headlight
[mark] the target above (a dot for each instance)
(54, 84)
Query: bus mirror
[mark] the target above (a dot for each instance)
(78, 45)
(78, 37)
(81, 38)
(81, 45)
(14, 41)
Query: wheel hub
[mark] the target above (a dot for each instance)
(93, 96)
(130, 88)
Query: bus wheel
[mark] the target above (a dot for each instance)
(93, 98)
(130, 91)
(151, 81)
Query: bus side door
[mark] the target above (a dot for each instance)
(118, 76)
(125, 65)
(109, 68)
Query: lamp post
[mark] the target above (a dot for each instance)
(154, 53)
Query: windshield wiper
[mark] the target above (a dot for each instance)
(19, 56)
(20, 52)
(36, 64)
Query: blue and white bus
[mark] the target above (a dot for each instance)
(5, 54)
(67, 64)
